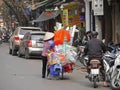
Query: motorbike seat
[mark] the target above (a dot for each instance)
(94, 61)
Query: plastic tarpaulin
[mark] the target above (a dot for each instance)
(44, 16)
(60, 35)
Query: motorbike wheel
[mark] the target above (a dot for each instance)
(95, 82)
(115, 83)
(80, 59)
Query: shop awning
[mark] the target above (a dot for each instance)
(37, 5)
(44, 16)
(44, 3)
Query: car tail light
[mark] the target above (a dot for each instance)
(16, 38)
(29, 43)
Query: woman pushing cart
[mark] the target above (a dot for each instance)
(63, 58)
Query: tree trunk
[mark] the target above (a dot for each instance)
(18, 11)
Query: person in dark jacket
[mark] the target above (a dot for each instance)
(95, 48)
(86, 38)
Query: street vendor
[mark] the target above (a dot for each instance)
(47, 46)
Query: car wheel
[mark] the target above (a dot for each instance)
(10, 51)
(19, 54)
(27, 56)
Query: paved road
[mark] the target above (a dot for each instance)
(21, 74)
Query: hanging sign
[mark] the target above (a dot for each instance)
(49, 11)
(98, 7)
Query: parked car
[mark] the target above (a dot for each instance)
(17, 36)
(31, 45)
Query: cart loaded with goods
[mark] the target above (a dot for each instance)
(63, 58)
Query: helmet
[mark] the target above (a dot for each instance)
(88, 32)
(94, 33)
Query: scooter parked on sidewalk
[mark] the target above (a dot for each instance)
(115, 74)
(112, 69)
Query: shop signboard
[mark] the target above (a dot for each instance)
(71, 15)
(65, 17)
(98, 7)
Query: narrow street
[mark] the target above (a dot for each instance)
(21, 74)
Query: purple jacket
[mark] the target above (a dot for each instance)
(46, 47)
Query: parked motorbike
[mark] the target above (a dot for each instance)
(112, 69)
(108, 61)
(115, 74)
(80, 52)
(113, 48)
(81, 57)
(6, 38)
(95, 74)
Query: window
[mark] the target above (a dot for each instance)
(23, 31)
(37, 37)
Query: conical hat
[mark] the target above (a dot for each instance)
(48, 35)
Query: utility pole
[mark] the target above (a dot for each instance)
(87, 15)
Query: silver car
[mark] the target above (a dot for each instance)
(31, 44)
(17, 36)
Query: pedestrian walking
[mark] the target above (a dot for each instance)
(47, 45)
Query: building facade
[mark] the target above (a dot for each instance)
(107, 24)
(115, 5)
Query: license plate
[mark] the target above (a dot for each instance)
(94, 71)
